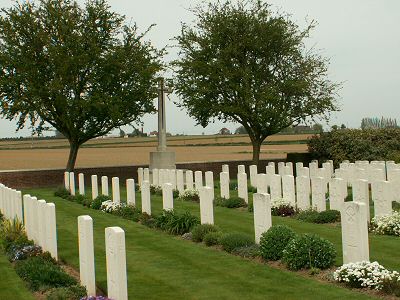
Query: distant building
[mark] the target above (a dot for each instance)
(224, 131)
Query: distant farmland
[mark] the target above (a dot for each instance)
(43, 154)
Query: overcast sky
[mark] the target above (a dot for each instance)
(361, 38)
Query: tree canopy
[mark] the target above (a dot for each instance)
(245, 63)
(82, 70)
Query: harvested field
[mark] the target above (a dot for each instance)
(132, 151)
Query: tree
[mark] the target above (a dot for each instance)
(318, 128)
(240, 130)
(244, 63)
(81, 70)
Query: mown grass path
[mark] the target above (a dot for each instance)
(11, 286)
(161, 266)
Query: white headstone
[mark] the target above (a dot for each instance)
(156, 175)
(104, 185)
(180, 185)
(81, 179)
(276, 187)
(253, 175)
(281, 168)
(35, 221)
(172, 178)
(86, 254)
(66, 180)
(303, 189)
(354, 232)
(299, 165)
(382, 198)
(51, 230)
(242, 187)
(206, 206)
(361, 194)
(198, 179)
(116, 263)
(289, 168)
(262, 183)
(262, 214)
(95, 187)
(210, 181)
(27, 214)
(313, 168)
(140, 176)
(18, 206)
(42, 224)
(337, 193)
(146, 174)
(115, 190)
(288, 189)
(241, 169)
(72, 183)
(168, 200)
(189, 180)
(224, 182)
(225, 168)
(130, 192)
(318, 190)
(145, 193)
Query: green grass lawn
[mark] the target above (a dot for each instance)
(11, 286)
(161, 266)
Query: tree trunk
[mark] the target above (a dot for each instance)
(256, 151)
(73, 153)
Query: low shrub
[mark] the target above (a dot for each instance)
(12, 233)
(87, 202)
(129, 212)
(368, 275)
(155, 190)
(199, 231)
(247, 251)
(147, 220)
(212, 238)
(231, 241)
(309, 215)
(274, 241)
(190, 195)
(41, 274)
(233, 186)
(396, 205)
(79, 199)
(250, 207)
(162, 220)
(282, 208)
(251, 189)
(328, 216)
(387, 225)
(67, 293)
(175, 193)
(175, 223)
(309, 251)
(96, 203)
(233, 202)
(23, 252)
(313, 216)
(356, 144)
(62, 192)
(182, 223)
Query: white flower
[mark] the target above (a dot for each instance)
(364, 274)
(386, 224)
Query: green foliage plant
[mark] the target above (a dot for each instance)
(274, 241)
(309, 251)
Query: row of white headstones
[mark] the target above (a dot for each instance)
(313, 181)
(39, 219)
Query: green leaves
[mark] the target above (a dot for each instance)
(244, 63)
(81, 70)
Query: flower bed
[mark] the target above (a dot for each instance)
(389, 225)
(368, 275)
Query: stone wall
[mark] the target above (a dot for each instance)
(19, 179)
